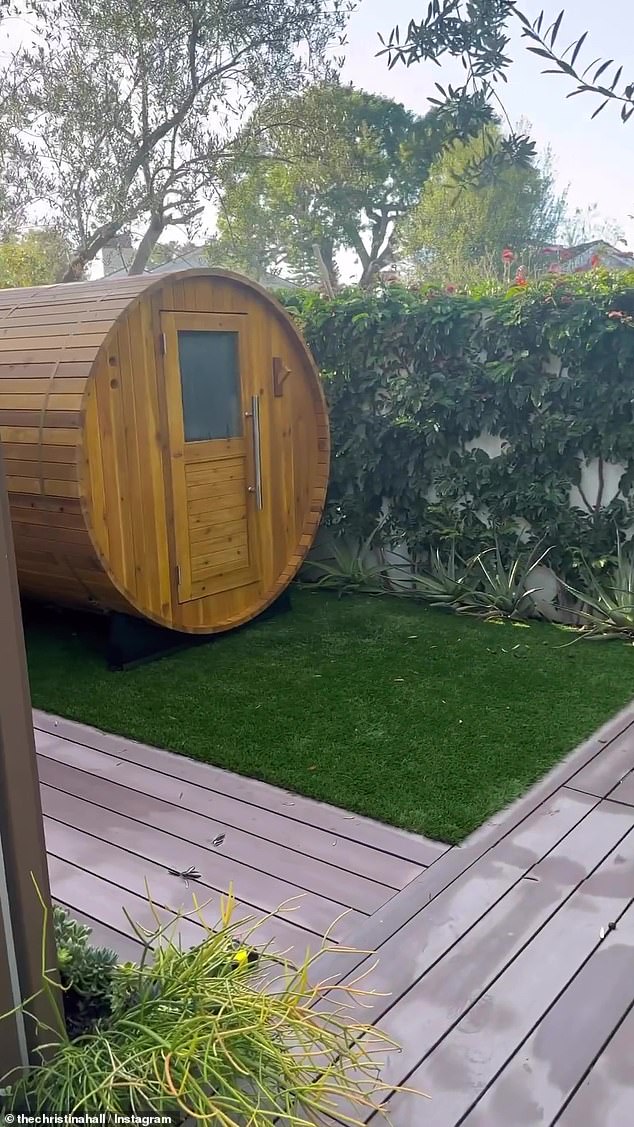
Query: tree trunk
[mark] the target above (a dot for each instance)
(368, 277)
(87, 253)
(74, 272)
(151, 237)
(324, 271)
(327, 252)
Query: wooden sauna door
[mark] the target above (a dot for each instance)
(213, 449)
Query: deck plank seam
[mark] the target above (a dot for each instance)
(609, 795)
(339, 909)
(216, 823)
(568, 1099)
(558, 777)
(476, 923)
(468, 865)
(357, 941)
(581, 790)
(190, 915)
(449, 1028)
(553, 1002)
(603, 745)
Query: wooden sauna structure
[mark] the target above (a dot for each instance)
(166, 445)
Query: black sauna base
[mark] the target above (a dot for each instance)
(121, 640)
(135, 641)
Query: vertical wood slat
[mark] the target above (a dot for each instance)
(23, 856)
(133, 447)
(150, 501)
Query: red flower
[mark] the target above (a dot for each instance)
(507, 255)
(520, 277)
(451, 289)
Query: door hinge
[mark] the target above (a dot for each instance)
(163, 344)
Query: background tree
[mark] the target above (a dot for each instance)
(19, 163)
(584, 225)
(342, 182)
(35, 258)
(457, 234)
(135, 106)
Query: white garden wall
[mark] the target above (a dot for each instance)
(595, 488)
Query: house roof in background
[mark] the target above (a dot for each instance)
(595, 253)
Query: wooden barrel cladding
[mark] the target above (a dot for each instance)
(166, 444)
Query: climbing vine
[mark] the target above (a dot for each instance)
(413, 378)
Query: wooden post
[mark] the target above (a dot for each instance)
(22, 848)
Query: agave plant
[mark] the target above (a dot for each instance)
(353, 568)
(503, 592)
(607, 601)
(445, 584)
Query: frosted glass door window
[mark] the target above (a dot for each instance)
(210, 385)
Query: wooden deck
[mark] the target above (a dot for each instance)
(118, 814)
(508, 963)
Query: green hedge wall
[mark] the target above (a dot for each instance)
(412, 377)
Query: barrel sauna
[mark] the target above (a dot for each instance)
(166, 444)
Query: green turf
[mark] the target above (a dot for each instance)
(411, 716)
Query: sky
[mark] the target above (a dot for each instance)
(593, 159)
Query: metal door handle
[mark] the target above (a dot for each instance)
(257, 450)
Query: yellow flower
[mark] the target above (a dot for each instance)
(242, 957)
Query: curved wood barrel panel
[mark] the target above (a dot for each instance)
(114, 504)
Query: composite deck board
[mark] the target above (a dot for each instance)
(373, 836)
(607, 769)
(467, 1059)
(167, 828)
(313, 860)
(536, 1082)
(605, 1098)
(87, 832)
(128, 886)
(475, 930)
(624, 792)
(80, 890)
(455, 893)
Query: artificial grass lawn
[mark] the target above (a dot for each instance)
(424, 720)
